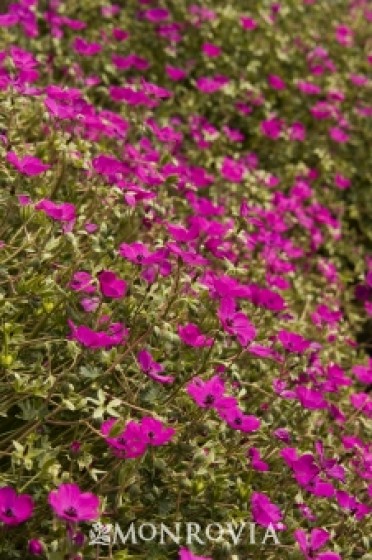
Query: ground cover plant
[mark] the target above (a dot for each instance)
(185, 277)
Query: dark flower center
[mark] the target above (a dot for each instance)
(71, 511)
(122, 441)
(209, 399)
(8, 512)
(139, 258)
(238, 421)
(151, 434)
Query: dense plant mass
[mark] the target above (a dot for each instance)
(185, 276)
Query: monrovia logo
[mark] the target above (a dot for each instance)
(188, 532)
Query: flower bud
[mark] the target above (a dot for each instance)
(35, 547)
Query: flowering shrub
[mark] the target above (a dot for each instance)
(184, 275)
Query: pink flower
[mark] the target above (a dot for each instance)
(342, 182)
(133, 440)
(191, 335)
(69, 503)
(309, 544)
(248, 23)
(90, 304)
(154, 432)
(63, 212)
(211, 50)
(363, 373)
(276, 82)
(84, 48)
(111, 285)
(256, 461)
(207, 394)
(232, 170)
(309, 88)
(109, 11)
(310, 398)
(28, 165)
(135, 252)
(211, 85)
(293, 342)
(120, 34)
(175, 73)
(344, 35)
(297, 132)
(82, 282)
(152, 368)
(129, 443)
(338, 135)
(236, 323)
(156, 14)
(266, 513)
(272, 128)
(235, 418)
(283, 435)
(186, 554)
(14, 508)
(115, 335)
(35, 547)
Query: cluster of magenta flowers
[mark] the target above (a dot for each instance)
(136, 437)
(68, 503)
(180, 175)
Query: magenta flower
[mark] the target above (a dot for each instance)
(207, 394)
(248, 23)
(211, 85)
(174, 73)
(272, 128)
(265, 352)
(84, 48)
(266, 513)
(120, 34)
(136, 252)
(129, 443)
(156, 14)
(211, 50)
(309, 544)
(35, 547)
(276, 82)
(363, 373)
(310, 398)
(283, 435)
(90, 304)
(115, 334)
(14, 508)
(154, 432)
(232, 170)
(191, 335)
(236, 419)
(152, 368)
(111, 285)
(330, 467)
(297, 132)
(28, 165)
(349, 502)
(186, 554)
(342, 182)
(82, 282)
(293, 342)
(63, 212)
(255, 459)
(236, 323)
(69, 503)
(338, 135)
